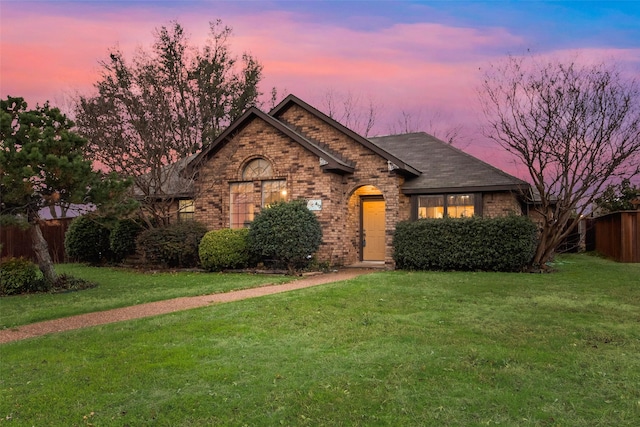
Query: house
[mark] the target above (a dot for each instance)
(358, 187)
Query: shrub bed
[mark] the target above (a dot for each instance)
(19, 276)
(122, 240)
(467, 244)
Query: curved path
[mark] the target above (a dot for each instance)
(168, 306)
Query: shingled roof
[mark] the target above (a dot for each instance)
(173, 182)
(431, 166)
(444, 168)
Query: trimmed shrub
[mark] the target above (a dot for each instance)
(466, 244)
(287, 233)
(224, 249)
(19, 276)
(87, 240)
(173, 246)
(122, 240)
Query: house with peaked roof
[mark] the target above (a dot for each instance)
(358, 187)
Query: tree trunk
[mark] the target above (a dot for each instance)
(545, 248)
(41, 249)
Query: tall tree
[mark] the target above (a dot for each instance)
(41, 165)
(163, 106)
(574, 127)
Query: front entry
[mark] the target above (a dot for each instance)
(373, 230)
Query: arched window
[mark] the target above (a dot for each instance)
(257, 169)
(243, 200)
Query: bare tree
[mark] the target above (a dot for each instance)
(351, 111)
(151, 113)
(575, 128)
(406, 123)
(436, 123)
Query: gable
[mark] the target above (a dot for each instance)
(328, 160)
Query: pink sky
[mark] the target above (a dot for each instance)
(410, 57)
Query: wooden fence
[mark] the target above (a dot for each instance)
(16, 242)
(617, 235)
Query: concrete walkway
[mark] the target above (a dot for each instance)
(169, 306)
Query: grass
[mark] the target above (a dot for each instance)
(119, 287)
(388, 349)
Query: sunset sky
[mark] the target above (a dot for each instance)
(420, 59)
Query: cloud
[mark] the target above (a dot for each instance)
(51, 51)
(47, 55)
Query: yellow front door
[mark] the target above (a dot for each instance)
(373, 230)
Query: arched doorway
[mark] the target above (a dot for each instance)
(371, 223)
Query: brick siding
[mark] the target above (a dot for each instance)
(340, 215)
(500, 204)
(305, 179)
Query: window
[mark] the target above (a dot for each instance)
(460, 206)
(241, 204)
(451, 205)
(257, 169)
(431, 207)
(186, 210)
(243, 198)
(273, 191)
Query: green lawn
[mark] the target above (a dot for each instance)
(390, 348)
(120, 288)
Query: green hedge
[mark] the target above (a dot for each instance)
(173, 246)
(224, 249)
(467, 244)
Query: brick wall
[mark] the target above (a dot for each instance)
(340, 215)
(370, 170)
(500, 204)
(305, 179)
